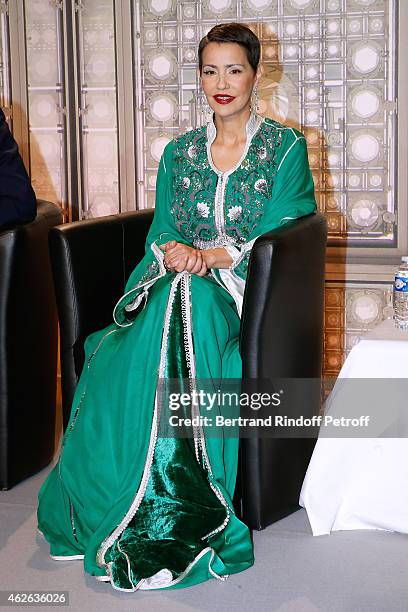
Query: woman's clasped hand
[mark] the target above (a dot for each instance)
(179, 257)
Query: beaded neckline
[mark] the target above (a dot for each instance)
(251, 127)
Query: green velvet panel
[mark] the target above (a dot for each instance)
(179, 507)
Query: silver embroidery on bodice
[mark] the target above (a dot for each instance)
(222, 237)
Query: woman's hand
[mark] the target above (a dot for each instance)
(180, 257)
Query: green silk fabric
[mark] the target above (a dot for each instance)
(89, 492)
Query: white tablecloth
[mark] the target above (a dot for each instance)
(362, 483)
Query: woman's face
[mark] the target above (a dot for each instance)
(227, 78)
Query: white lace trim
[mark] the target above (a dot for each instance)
(218, 241)
(251, 128)
(164, 577)
(159, 255)
(233, 252)
(253, 124)
(188, 346)
(237, 254)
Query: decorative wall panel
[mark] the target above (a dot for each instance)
(46, 99)
(330, 71)
(350, 311)
(98, 113)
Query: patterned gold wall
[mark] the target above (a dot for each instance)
(329, 71)
(349, 312)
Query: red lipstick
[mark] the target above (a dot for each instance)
(223, 98)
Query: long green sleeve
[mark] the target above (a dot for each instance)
(292, 195)
(162, 229)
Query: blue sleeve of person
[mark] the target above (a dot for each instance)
(17, 198)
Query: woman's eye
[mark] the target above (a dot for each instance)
(233, 71)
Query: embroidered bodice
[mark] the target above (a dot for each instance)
(199, 205)
(213, 208)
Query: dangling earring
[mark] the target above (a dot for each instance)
(207, 110)
(254, 99)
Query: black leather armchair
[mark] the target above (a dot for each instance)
(28, 348)
(280, 337)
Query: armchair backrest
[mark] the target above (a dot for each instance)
(92, 260)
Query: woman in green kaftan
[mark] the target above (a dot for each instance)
(146, 511)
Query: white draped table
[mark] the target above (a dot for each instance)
(362, 483)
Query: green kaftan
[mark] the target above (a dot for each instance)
(145, 511)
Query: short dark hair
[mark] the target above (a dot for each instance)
(236, 33)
